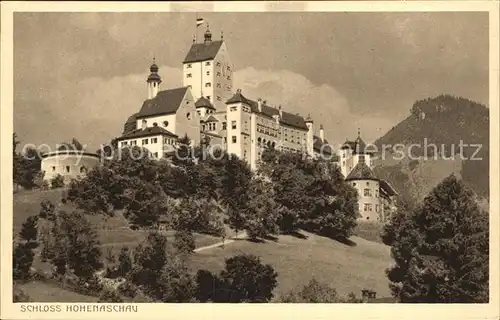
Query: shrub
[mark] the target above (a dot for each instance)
(57, 182)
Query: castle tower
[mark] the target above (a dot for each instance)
(310, 136)
(208, 71)
(154, 81)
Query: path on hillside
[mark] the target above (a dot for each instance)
(241, 235)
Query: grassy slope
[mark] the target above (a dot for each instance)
(346, 268)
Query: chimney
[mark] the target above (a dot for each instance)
(321, 132)
(281, 111)
(259, 104)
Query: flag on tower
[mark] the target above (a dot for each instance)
(199, 22)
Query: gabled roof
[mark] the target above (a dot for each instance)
(165, 102)
(150, 131)
(130, 124)
(361, 172)
(286, 118)
(318, 145)
(357, 146)
(204, 103)
(211, 119)
(203, 51)
(387, 188)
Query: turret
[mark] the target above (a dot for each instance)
(154, 81)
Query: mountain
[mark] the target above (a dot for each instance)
(424, 148)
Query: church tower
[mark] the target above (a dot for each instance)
(154, 81)
(208, 71)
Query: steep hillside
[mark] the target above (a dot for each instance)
(437, 127)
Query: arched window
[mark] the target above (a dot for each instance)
(83, 170)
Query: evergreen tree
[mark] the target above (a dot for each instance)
(441, 249)
(29, 231)
(22, 259)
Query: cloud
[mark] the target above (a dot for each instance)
(95, 109)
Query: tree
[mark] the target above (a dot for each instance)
(76, 144)
(57, 182)
(110, 296)
(124, 262)
(246, 279)
(184, 241)
(47, 210)
(22, 259)
(261, 213)
(441, 248)
(312, 292)
(184, 153)
(29, 230)
(76, 245)
(160, 275)
(26, 165)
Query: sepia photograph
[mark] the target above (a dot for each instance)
(193, 153)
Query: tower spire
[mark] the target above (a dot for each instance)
(208, 34)
(359, 133)
(222, 34)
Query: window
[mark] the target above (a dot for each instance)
(199, 112)
(218, 64)
(189, 75)
(228, 77)
(233, 124)
(208, 85)
(368, 207)
(208, 97)
(155, 154)
(376, 193)
(189, 65)
(377, 207)
(367, 192)
(155, 124)
(218, 74)
(228, 68)
(188, 116)
(67, 169)
(207, 63)
(83, 170)
(208, 73)
(218, 85)
(53, 169)
(225, 139)
(354, 184)
(144, 141)
(154, 140)
(233, 109)
(367, 183)
(219, 98)
(224, 126)
(234, 139)
(124, 143)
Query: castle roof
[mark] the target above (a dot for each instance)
(286, 118)
(322, 146)
(149, 131)
(203, 51)
(204, 103)
(357, 146)
(387, 188)
(361, 172)
(165, 102)
(130, 124)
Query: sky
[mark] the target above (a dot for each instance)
(82, 74)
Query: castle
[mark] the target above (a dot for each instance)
(207, 108)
